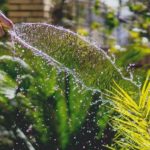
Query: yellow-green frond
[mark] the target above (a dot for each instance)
(133, 121)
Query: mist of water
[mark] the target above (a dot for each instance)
(66, 50)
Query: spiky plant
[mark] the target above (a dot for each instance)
(132, 123)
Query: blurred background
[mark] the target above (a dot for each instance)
(120, 27)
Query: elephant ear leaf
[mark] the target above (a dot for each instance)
(63, 48)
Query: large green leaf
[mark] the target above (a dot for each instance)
(38, 92)
(63, 48)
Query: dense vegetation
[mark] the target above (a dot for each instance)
(63, 105)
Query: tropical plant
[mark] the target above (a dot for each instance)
(132, 123)
(41, 94)
(3, 6)
(49, 108)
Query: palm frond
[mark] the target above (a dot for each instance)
(133, 120)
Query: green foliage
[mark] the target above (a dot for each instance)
(96, 8)
(133, 59)
(132, 121)
(44, 98)
(3, 6)
(111, 21)
(46, 104)
(138, 7)
(95, 25)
